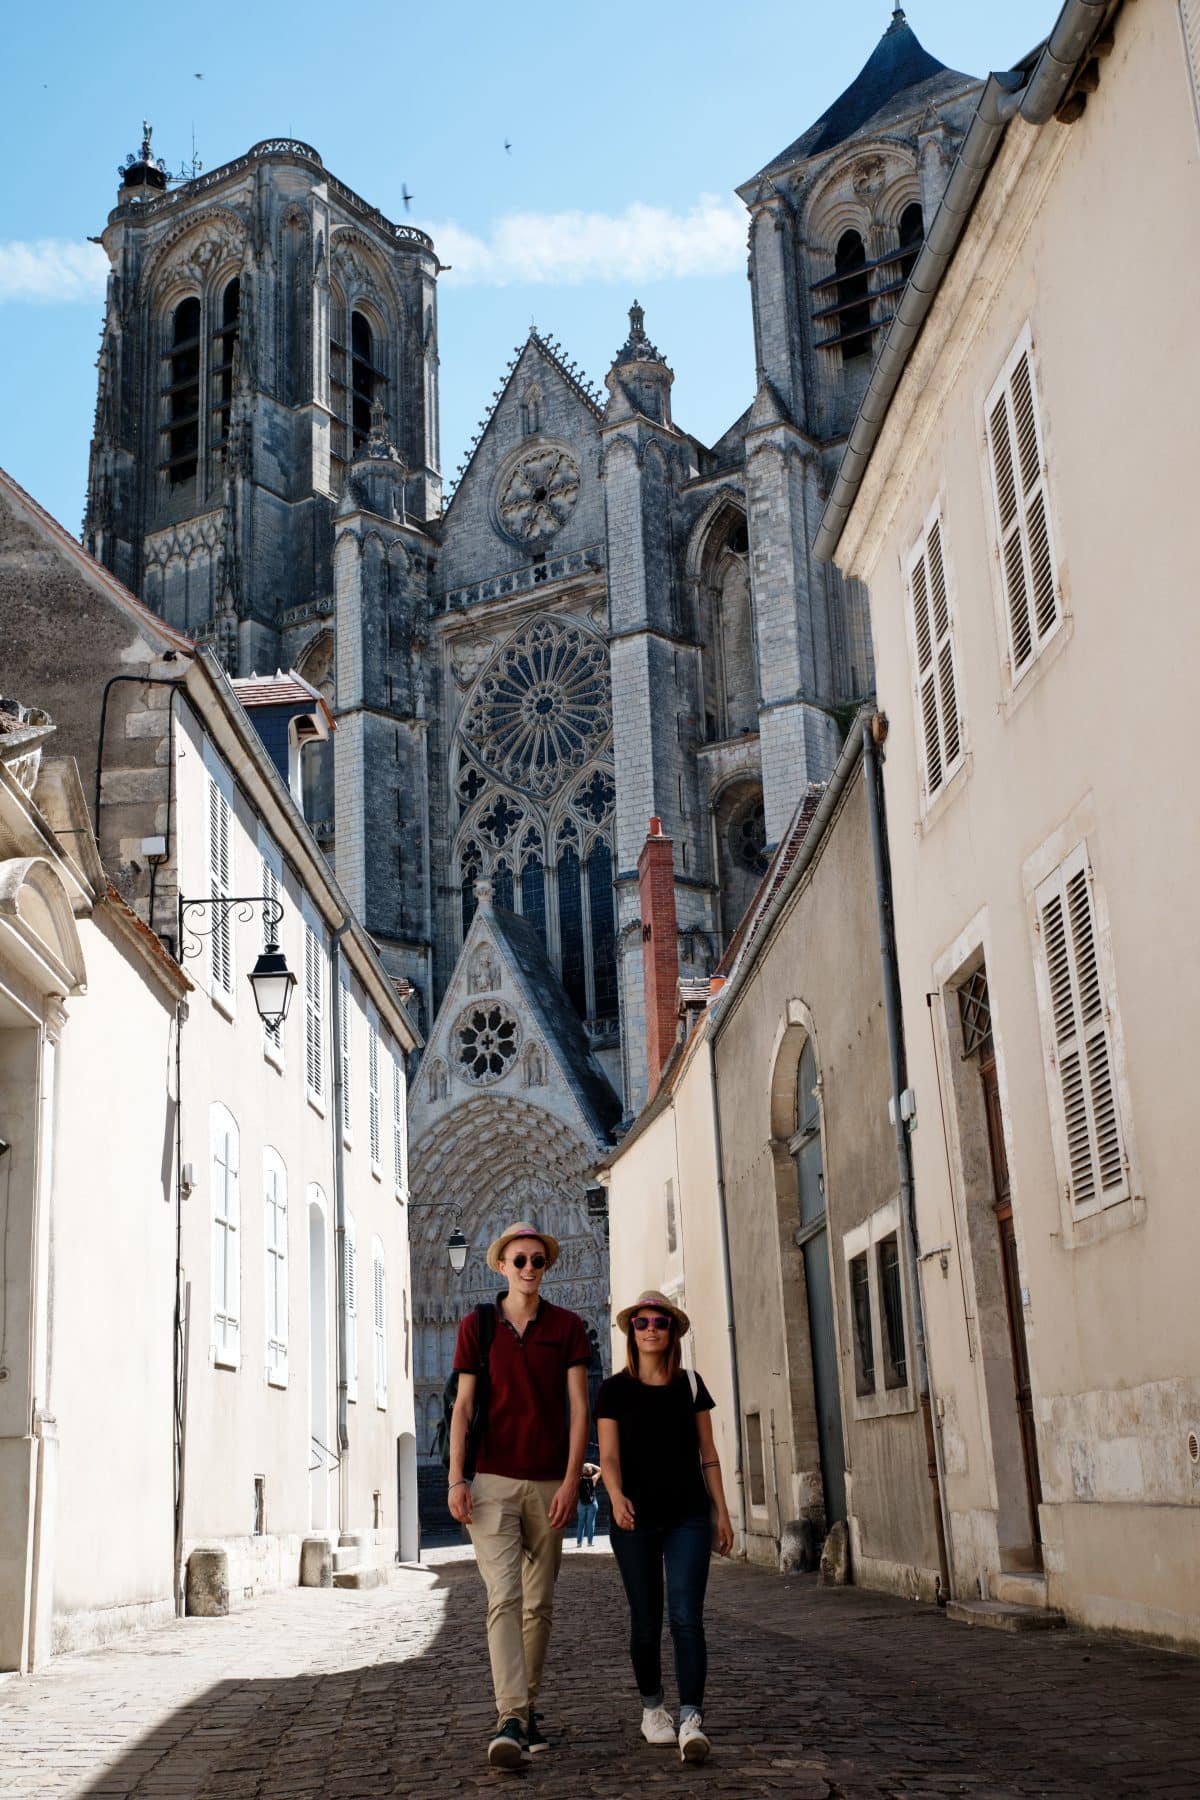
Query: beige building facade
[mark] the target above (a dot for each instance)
(1023, 525)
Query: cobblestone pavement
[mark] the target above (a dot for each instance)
(812, 1693)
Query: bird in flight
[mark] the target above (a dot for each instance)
(198, 78)
(508, 146)
(408, 199)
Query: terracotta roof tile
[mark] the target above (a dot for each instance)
(279, 690)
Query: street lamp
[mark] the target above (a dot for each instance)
(271, 981)
(457, 1246)
(458, 1251)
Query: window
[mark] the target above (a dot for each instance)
(220, 874)
(350, 1282)
(1077, 1019)
(860, 1308)
(876, 1302)
(935, 681)
(314, 1015)
(603, 923)
(275, 1203)
(272, 887)
(895, 1371)
(375, 1122)
(399, 1128)
(1028, 570)
(755, 1467)
(379, 1287)
(363, 376)
(853, 297)
(183, 393)
(570, 926)
(220, 368)
(344, 1032)
(912, 236)
(226, 1243)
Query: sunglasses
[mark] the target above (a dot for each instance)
(536, 1261)
(651, 1322)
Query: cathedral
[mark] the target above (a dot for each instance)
(606, 619)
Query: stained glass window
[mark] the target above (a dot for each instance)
(570, 923)
(604, 953)
(533, 893)
(543, 708)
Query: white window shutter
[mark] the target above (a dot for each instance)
(347, 1108)
(272, 1034)
(275, 1207)
(380, 1316)
(373, 1094)
(226, 1237)
(399, 1127)
(220, 886)
(314, 1024)
(351, 1309)
(1080, 1042)
(936, 678)
(1019, 494)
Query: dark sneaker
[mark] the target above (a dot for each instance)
(509, 1749)
(533, 1737)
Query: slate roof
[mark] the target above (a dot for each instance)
(280, 690)
(898, 76)
(545, 994)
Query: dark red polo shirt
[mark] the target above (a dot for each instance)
(528, 1422)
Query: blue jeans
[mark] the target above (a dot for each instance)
(585, 1521)
(643, 1554)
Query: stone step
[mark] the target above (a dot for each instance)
(359, 1578)
(1003, 1616)
(345, 1557)
(1018, 1588)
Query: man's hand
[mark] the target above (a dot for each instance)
(622, 1511)
(563, 1504)
(724, 1533)
(459, 1502)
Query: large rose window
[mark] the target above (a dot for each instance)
(543, 707)
(486, 1040)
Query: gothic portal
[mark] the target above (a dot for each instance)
(607, 619)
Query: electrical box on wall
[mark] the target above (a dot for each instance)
(908, 1108)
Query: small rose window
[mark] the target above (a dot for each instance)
(488, 1037)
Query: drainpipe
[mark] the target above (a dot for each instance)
(909, 1236)
(739, 1471)
(339, 1214)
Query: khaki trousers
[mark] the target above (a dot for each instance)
(518, 1553)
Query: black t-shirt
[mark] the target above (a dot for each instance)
(660, 1447)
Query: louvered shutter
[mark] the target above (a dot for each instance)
(380, 1310)
(1095, 1169)
(220, 821)
(1189, 14)
(936, 679)
(373, 1092)
(272, 1034)
(275, 1206)
(314, 1024)
(399, 1127)
(351, 1310)
(226, 1259)
(1019, 494)
(347, 1108)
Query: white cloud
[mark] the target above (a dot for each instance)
(643, 243)
(52, 270)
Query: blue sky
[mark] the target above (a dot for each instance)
(630, 127)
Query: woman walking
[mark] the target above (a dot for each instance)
(663, 1477)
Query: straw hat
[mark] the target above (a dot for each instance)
(523, 1228)
(660, 1303)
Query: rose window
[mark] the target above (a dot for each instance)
(499, 821)
(542, 709)
(539, 496)
(748, 836)
(487, 1037)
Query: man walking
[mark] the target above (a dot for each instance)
(526, 1476)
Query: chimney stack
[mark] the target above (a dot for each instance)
(660, 948)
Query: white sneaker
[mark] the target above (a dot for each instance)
(656, 1725)
(693, 1745)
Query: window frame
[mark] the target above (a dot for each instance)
(275, 1267)
(220, 881)
(941, 644)
(374, 1096)
(878, 1398)
(314, 1010)
(399, 1126)
(1002, 533)
(350, 1305)
(379, 1330)
(225, 1265)
(346, 1053)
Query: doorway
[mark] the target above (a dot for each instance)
(813, 1240)
(1001, 1300)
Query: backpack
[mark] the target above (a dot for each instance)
(485, 1313)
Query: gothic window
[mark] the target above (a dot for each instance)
(486, 1039)
(729, 662)
(339, 447)
(595, 796)
(570, 927)
(543, 707)
(912, 236)
(853, 297)
(741, 850)
(502, 879)
(531, 413)
(533, 890)
(183, 393)
(471, 863)
(499, 821)
(363, 376)
(603, 933)
(220, 367)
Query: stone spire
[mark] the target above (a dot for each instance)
(639, 373)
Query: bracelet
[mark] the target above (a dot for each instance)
(455, 1484)
(715, 1464)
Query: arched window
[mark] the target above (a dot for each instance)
(604, 949)
(570, 927)
(741, 850)
(276, 1246)
(729, 663)
(533, 890)
(854, 297)
(502, 878)
(363, 375)
(220, 368)
(350, 1284)
(224, 1152)
(183, 393)
(912, 236)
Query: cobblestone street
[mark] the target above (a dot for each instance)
(812, 1692)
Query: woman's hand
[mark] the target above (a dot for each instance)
(622, 1511)
(724, 1533)
(459, 1502)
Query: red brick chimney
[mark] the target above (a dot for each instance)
(660, 948)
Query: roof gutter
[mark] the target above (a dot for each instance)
(1035, 97)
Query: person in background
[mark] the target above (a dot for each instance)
(525, 1475)
(663, 1476)
(589, 1504)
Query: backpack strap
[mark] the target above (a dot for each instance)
(485, 1313)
